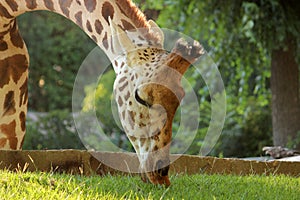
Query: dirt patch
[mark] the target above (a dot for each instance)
(89, 162)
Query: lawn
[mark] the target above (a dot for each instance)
(40, 185)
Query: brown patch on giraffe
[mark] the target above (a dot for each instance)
(89, 26)
(9, 130)
(94, 38)
(31, 4)
(123, 86)
(107, 11)
(12, 67)
(9, 105)
(4, 12)
(122, 79)
(13, 142)
(141, 116)
(122, 64)
(3, 45)
(155, 137)
(98, 26)
(23, 93)
(132, 78)
(132, 118)
(78, 17)
(49, 4)
(2, 142)
(105, 42)
(90, 5)
(166, 132)
(126, 97)
(141, 124)
(4, 32)
(15, 36)
(121, 27)
(6, 25)
(78, 2)
(116, 63)
(141, 38)
(120, 101)
(12, 4)
(22, 118)
(142, 140)
(65, 5)
(132, 138)
(127, 25)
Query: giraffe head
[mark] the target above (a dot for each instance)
(148, 92)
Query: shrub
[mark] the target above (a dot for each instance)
(248, 137)
(54, 130)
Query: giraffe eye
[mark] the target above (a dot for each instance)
(140, 100)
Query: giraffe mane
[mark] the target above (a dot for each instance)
(138, 18)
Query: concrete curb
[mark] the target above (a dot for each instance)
(87, 163)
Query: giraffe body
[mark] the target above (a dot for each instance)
(147, 88)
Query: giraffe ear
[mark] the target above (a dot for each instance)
(155, 28)
(121, 41)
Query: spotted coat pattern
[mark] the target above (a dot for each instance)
(147, 88)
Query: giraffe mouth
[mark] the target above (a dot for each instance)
(159, 175)
(155, 178)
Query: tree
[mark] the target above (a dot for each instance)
(253, 41)
(57, 47)
(285, 94)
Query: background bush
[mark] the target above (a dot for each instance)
(53, 130)
(57, 47)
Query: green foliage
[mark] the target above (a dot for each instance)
(53, 186)
(54, 130)
(99, 99)
(239, 37)
(57, 48)
(292, 143)
(246, 138)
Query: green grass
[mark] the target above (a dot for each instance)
(40, 185)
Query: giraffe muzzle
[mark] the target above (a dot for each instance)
(161, 169)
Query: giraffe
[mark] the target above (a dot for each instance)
(147, 87)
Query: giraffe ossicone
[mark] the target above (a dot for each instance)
(147, 87)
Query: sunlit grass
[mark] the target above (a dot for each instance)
(40, 185)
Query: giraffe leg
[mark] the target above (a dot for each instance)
(13, 86)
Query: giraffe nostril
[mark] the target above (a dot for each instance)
(161, 169)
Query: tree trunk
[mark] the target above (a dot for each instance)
(285, 95)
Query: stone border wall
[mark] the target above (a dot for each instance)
(86, 163)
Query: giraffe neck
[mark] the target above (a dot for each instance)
(115, 26)
(92, 16)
